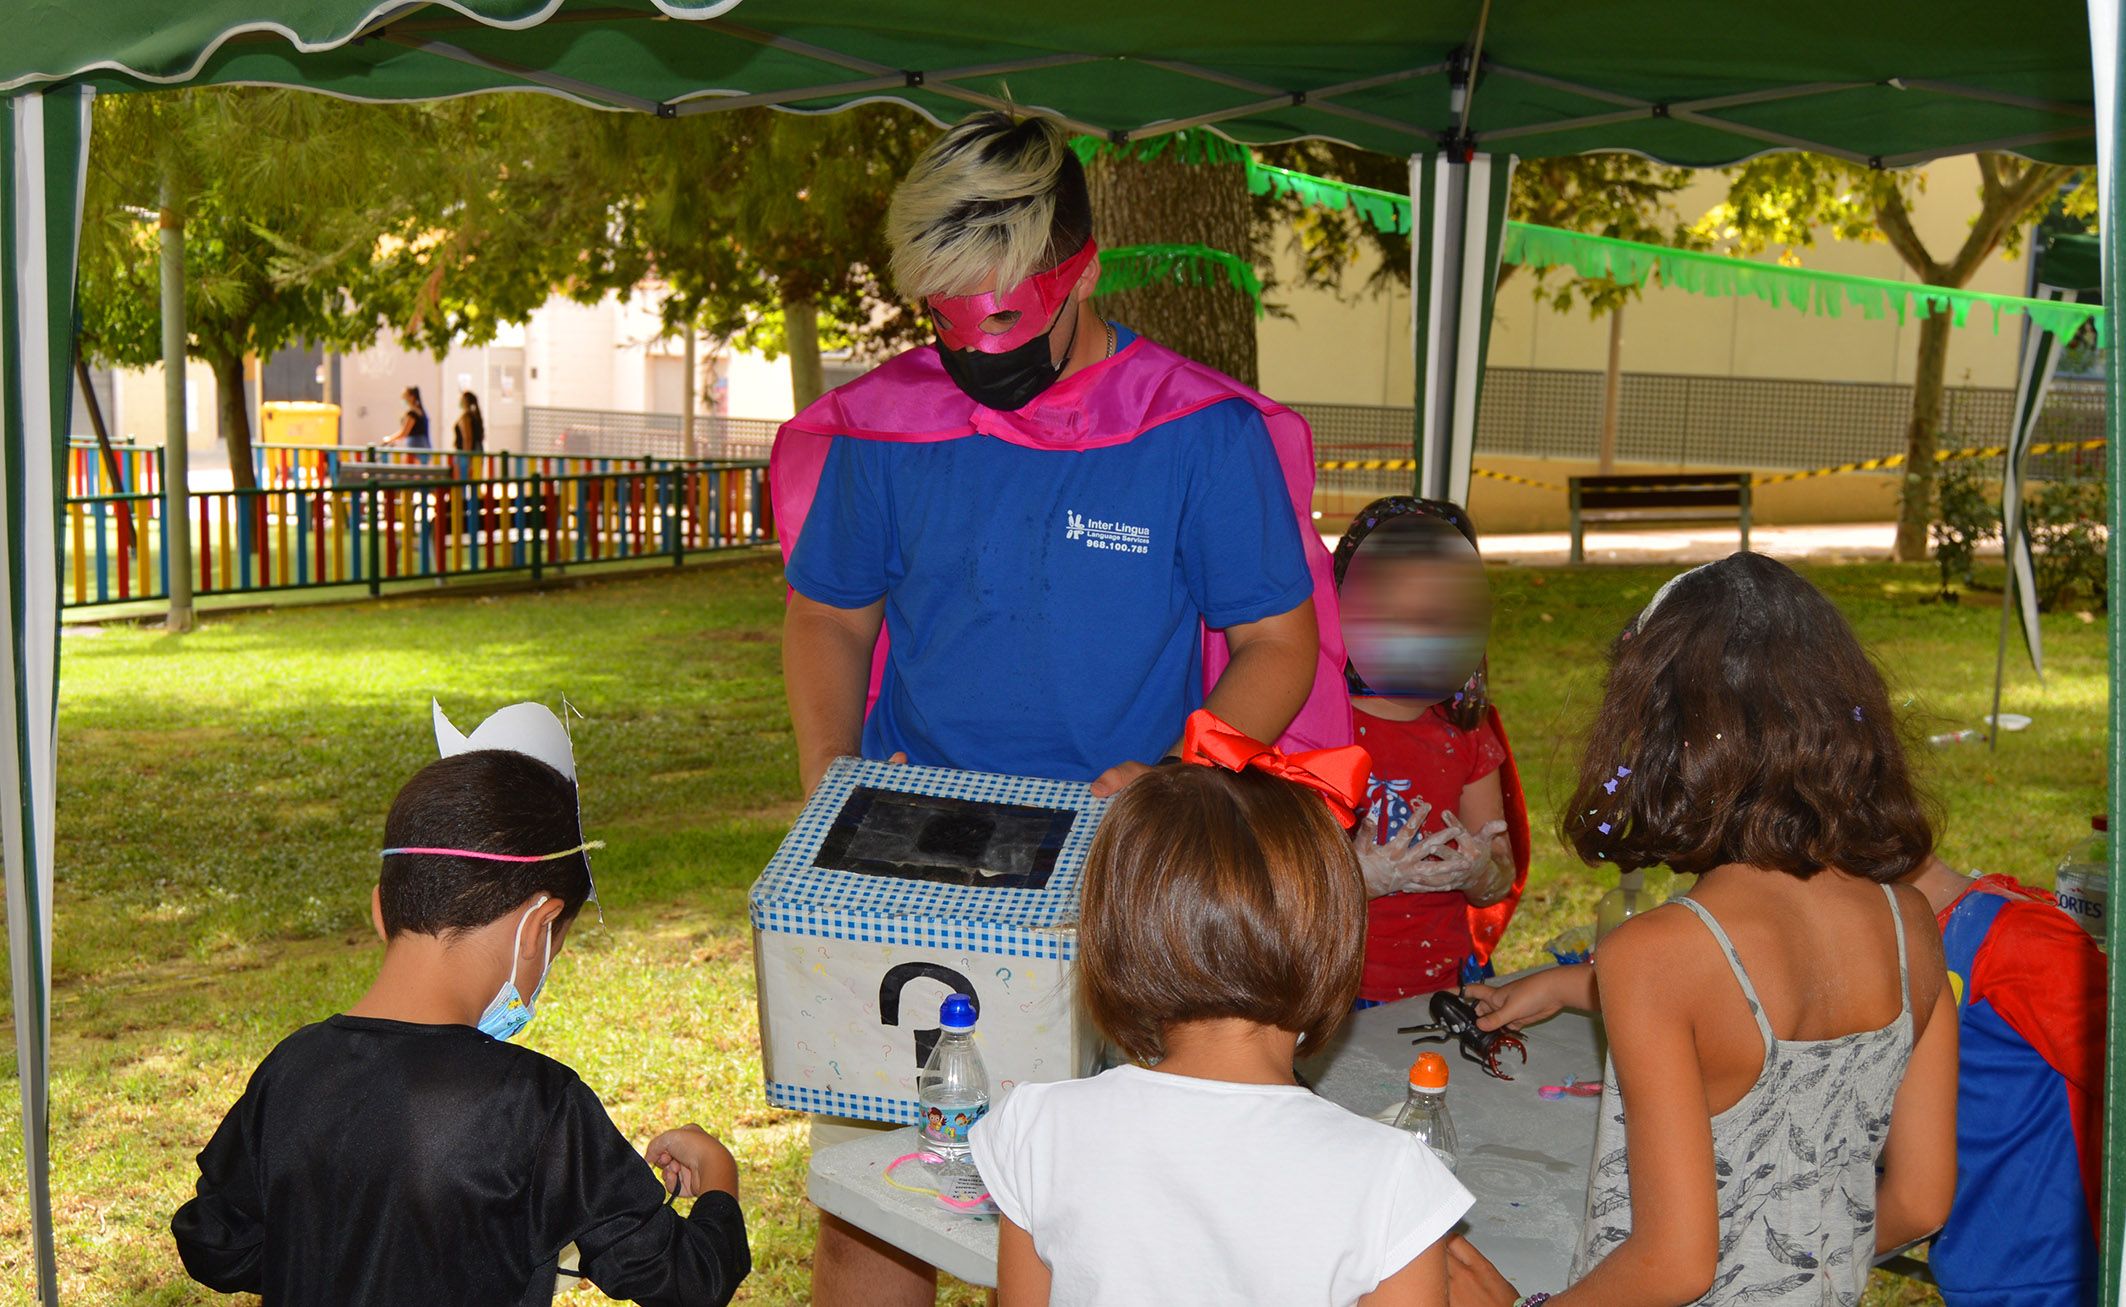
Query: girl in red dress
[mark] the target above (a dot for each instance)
(1444, 842)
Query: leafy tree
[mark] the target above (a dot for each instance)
(271, 192)
(764, 228)
(1784, 199)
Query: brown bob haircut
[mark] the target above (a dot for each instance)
(1211, 893)
(1743, 723)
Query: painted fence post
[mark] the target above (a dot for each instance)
(538, 552)
(376, 559)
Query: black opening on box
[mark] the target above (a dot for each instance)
(953, 841)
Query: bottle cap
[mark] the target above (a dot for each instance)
(1429, 1073)
(957, 1015)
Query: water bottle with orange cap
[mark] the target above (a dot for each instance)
(1424, 1113)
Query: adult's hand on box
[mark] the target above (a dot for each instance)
(1117, 779)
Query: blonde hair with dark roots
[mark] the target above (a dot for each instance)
(994, 196)
(1210, 894)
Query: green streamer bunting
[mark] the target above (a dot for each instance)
(1812, 291)
(1193, 145)
(1386, 210)
(1134, 267)
(1718, 276)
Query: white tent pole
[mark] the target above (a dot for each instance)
(47, 144)
(2041, 359)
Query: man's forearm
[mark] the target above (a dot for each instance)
(1271, 674)
(826, 675)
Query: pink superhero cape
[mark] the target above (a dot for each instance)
(910, 399)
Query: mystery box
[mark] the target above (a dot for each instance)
(898, 886)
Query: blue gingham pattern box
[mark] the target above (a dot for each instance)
(851, 963)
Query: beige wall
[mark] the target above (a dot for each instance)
(137, 405)
(1354, 347)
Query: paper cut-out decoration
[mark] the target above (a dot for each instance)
(531, 729)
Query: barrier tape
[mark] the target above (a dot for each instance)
(1940, 456)
(1865, 465)
(1410, 465)
(1368, 465)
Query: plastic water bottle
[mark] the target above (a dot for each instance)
(953, 1089)
(2083, 885)
(1424, 1112)
(1621, 904)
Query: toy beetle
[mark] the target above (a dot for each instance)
(1454, 1017)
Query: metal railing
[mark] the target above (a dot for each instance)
(597, 433)
(283, 466)
(296, 536)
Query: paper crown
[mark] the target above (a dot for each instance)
(531, 729)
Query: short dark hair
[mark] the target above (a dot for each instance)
(1211, 893)
(1743, 722)
(489, 801)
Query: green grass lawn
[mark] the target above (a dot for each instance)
(222, 795)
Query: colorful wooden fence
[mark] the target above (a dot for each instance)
(89, 473)
(295, 537)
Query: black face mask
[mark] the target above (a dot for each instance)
(1008, 381)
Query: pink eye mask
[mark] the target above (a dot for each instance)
(959, 318)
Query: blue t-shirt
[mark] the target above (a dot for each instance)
(1044, 605)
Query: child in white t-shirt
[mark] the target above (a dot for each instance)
(1220, 930)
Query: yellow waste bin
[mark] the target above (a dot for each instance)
(298, 422)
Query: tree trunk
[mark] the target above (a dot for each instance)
(1612, 394)
(1915, 508)
(800, 327)
(235, 417)
(686, 402)
(176, 435)
(1165, 201)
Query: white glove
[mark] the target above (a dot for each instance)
(1450, 858)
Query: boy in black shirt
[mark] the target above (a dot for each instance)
(405, 1152)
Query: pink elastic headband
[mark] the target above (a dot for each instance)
(959, 318)
(501, 857)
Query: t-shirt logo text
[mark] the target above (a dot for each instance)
(1115, 537)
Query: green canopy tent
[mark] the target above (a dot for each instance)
(1450, 84)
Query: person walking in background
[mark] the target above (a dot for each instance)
(469, 436)
(413, 428)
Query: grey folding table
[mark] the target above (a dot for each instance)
(1523, 1156)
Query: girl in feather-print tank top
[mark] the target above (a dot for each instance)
(1779, 1104)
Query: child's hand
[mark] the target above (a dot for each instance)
(1533, 998)
(694, 1158)
(1472, 1281)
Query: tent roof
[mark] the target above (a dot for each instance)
(2072, 261)
(1885, 82)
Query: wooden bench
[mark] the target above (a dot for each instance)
(1642, 498)
(353, 473)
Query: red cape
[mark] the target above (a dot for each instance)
(910, 399)
(1486, 925)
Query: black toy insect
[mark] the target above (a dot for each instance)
(1454, 1017)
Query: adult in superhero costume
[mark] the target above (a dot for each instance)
(1036, 546)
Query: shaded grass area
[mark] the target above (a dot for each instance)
(222, 796)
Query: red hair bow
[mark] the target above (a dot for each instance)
(1338, 775)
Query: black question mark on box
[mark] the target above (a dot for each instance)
(899, 978)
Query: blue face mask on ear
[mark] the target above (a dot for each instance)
(509, 1012)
